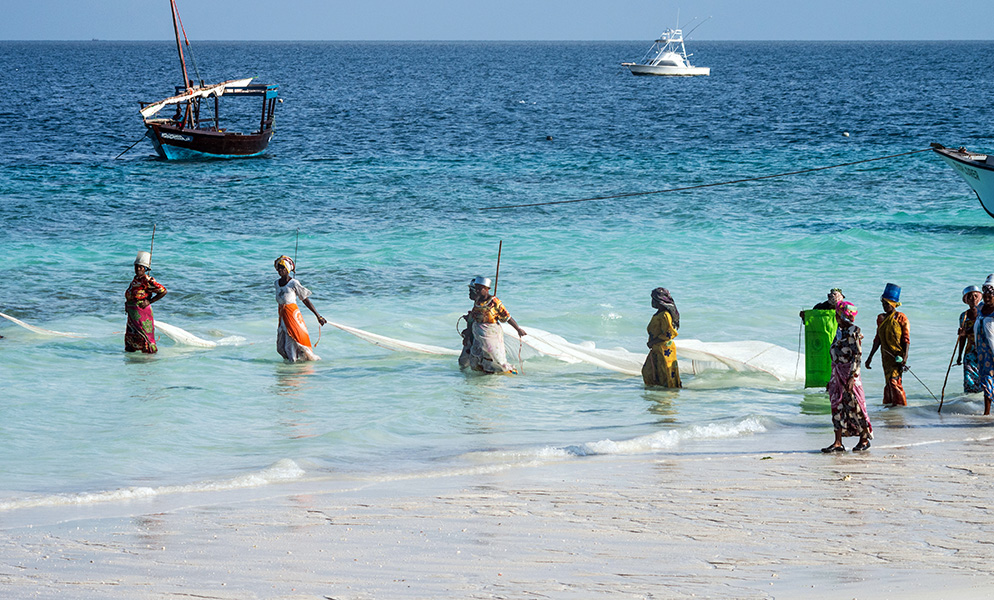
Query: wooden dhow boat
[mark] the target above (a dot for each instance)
(194, 129)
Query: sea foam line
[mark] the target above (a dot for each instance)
(281, 471)
(660, 440)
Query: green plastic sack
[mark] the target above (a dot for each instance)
(819, 331)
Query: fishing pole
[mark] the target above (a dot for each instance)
(942, 395)
(500, 246)
(908, 369)
(695, 27)
(904, 367)
(151, 247)
(296, 244)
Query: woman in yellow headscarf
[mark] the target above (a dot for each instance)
(894, 338)
(292, 341)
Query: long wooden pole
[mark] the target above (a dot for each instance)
(296, 244)
(179, 46)
(151, 247)
(942, 396)
(500, 246)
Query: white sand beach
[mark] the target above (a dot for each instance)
(901, 521)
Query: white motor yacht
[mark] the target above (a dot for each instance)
(667, 56)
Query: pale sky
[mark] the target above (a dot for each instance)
(497, 19)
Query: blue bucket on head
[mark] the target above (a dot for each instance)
(892, 292)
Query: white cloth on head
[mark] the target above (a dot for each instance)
(288, 294)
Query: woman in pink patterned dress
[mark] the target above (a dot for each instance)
(143, 291)
(845, 388)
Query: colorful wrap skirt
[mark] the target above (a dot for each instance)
(849, 414)
(292, 341)
(985, 367)
(660, 367)
(971, 372)
(487, 354)
(139, 335)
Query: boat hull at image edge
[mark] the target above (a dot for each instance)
(979, 174)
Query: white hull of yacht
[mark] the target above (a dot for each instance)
(666, 71)
(976, 169)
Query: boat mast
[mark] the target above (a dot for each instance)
(179, 46)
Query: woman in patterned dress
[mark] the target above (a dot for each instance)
(139, 336)
(983, 331)
(967, 348)
(292, 341)
(660, 367)
(483, 344)
(845, 388)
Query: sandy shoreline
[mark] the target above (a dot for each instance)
(900, 521)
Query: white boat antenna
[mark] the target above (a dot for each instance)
(695, 27)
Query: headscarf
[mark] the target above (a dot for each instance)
(989, 284)
(662, 300)
(847, 310)
(286, 261)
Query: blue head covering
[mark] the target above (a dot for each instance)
(892, 292)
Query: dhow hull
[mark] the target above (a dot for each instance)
(174, 143)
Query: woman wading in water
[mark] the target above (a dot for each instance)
(292, 341)
(139, 335)
(660, 368)
(483, 344)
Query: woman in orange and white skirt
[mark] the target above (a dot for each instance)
(292, 341)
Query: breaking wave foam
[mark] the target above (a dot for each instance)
(647, 444)
(281, 471)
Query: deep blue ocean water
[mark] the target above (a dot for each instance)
(384, 155)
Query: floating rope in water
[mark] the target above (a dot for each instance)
(705, 185)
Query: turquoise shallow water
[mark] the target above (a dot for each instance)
(383, 166)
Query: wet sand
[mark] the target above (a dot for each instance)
(911, 521)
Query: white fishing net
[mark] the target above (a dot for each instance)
(41, 331)
(181, 336)
(746, 356)
(698, 356)
(393, 344)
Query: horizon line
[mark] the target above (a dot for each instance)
(169, 40)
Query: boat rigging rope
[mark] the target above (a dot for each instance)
(190, 49)
(704, 185)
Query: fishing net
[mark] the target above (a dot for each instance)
(180, 336)
(746, 356)
(393, 344)
(41, 331)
